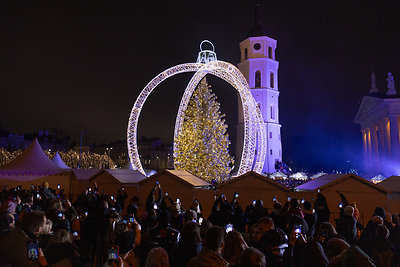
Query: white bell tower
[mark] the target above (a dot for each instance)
(260, 68)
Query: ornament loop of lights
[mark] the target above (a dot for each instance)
(254, 131)
(206, 56)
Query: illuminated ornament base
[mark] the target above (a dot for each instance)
(255, 138)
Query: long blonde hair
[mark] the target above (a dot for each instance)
(60, 236)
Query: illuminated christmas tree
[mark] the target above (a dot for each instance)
(201, 147)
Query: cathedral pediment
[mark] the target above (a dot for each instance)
(369, 107)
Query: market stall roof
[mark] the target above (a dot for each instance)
(317, 175)
(391, 183)
(255, 175)
(331, 179)
(123, 176)
(184, 176)
(33, 161)
(189, 178)
(85, 174)
(59, 162)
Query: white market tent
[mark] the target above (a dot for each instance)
(377, 179)
(299, 176)
(32, 162)
(34, 167)
(59, 162)
(278, 175)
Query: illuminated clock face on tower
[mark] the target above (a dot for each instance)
(257, 46)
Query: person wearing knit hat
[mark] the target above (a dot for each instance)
(348, 210)
(46, 192)
(382, 213)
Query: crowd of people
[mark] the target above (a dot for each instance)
(41, 227)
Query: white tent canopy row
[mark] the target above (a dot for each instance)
(299, 176)
(33, 161)
(295, 176)
(278, 175)
(378, 178)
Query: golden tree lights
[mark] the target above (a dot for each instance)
(88, 160)
(71, 158)
(201, 146)
(6, 156)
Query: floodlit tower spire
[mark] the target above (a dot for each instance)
(258, 64)
(258, 29)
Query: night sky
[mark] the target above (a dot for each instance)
(79, 66)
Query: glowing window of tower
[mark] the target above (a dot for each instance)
(245, 53)
(270, 52)
(257, 79)
(271, 80)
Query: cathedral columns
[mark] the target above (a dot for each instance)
(387, 135)
(381, 139)
(365, 146)
(374, 146)
(369, 150)
(394, 135)
(379, 120)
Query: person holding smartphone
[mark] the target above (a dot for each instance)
(113, 203)
(125, 243)
(151, 200)
(20, 247)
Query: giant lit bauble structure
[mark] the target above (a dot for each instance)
(255, 139)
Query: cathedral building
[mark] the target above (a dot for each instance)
(379, 118)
